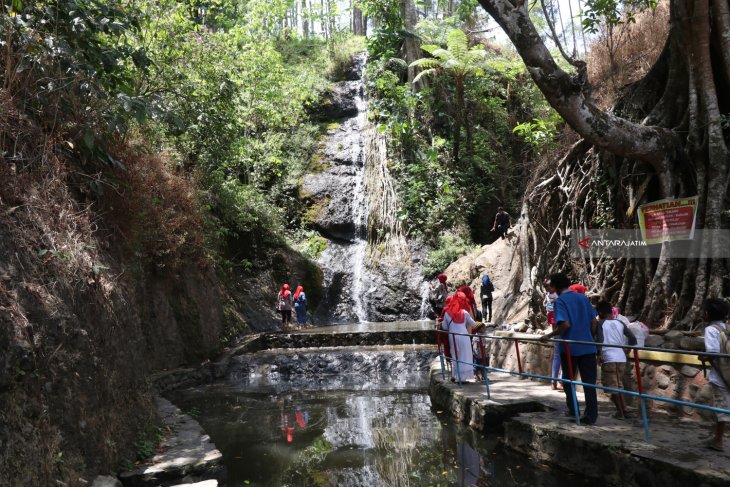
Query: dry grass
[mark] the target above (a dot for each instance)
(636, 47)
(155, 208)
(64, 308)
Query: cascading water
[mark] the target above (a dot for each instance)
(371, 271)
(344, 213)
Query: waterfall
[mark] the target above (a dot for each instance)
(340, 197)
(371, 271)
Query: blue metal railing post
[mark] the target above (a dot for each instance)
(644, 417)
(484, 366)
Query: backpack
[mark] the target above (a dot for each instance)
(722, 364)
(488, 287)
(283, 302)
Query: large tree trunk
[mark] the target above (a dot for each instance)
(458, 117)
(663, 139)
(305, 19)
(411, 46)
(358, 25)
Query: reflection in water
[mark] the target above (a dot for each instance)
(377, 436)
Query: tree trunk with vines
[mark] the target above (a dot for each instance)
(664, 139)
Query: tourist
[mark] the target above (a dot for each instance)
(639, 329)
(284, 304)
(458, 321)
(502, 222)
(613, 358)
(616, 315)
(716, 312)
(300, 305)
(479, 350)
(438, 295)
(486, 292)
(574, 317)
(472, 303)
(550, 299)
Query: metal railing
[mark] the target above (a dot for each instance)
(443, 336)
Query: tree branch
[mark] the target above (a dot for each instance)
(565, 94)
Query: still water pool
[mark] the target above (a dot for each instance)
(302, 432)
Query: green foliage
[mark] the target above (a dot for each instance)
(540, 133)
(612, 13)
(436, 194)
(313, 245)
(450, 247)
(456, 59)
(305, 467)
(387, 38)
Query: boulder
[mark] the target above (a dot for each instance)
(674, 336)
(649, 371)
(654, 341)
(336, 103)
(106, 481)
(662, 381)
(692, 343)
(689, 371)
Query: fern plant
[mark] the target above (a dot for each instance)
(459, 61)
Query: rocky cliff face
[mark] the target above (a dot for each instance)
(358, 284)
(85, 315)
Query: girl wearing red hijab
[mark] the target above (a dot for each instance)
(472, 303)
(300, 305)
(459, 323)
(284, 304)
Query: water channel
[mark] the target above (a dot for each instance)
(355, 423)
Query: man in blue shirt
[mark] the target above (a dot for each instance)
(574, 317)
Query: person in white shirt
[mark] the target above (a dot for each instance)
(716, 311)
(612, 335)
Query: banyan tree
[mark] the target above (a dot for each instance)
(665, 137)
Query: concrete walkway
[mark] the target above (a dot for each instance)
(530, 416)
(186, 454)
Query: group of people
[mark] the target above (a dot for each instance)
(458, 315)
(573, 316)
(440, 294)
(607, 332)
(286, 301)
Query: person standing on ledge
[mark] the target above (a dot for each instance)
(486, 291)
(284, 304)
(502, 222)
(438, 295)
(575, 319)
(300, 305)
